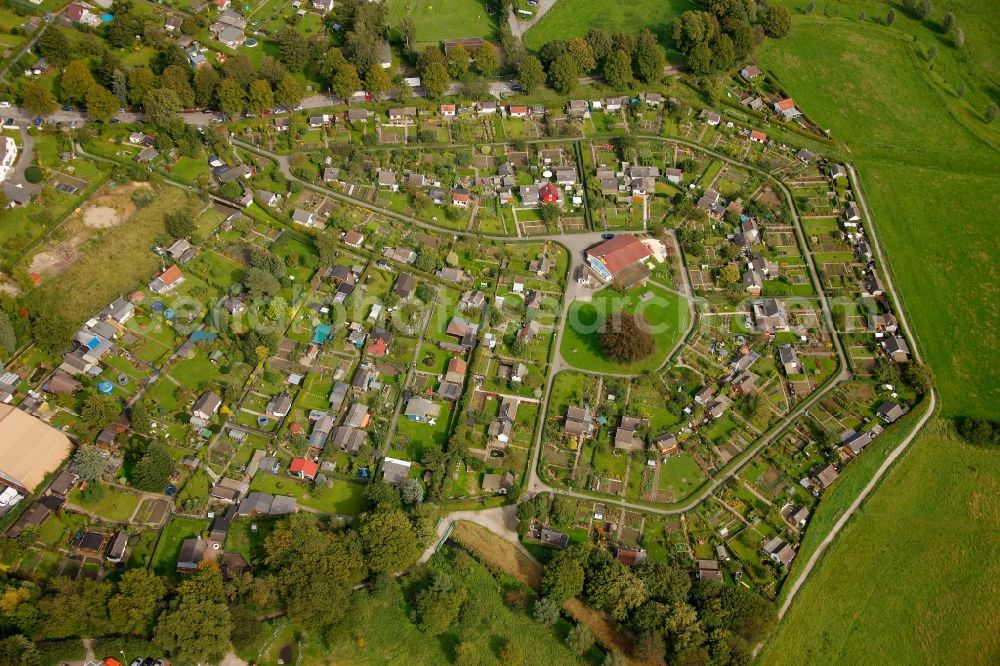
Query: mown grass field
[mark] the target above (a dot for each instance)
(666, 312)
(572, 18)
(443, 19)
(913, 578)
(930, 182)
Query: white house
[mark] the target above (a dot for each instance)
(8, 154)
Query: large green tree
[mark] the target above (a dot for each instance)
(563, 576)
(137, 603)
(196, 626)
(153, 469)
(531, 75)
(618, 70)
(389, 541)
(563, 74)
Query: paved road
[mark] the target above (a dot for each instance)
(520, 27)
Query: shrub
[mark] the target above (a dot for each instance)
(33, 174)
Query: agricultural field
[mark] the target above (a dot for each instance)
(443, 19)
(865, 70)
(918, 537)
(572, 18)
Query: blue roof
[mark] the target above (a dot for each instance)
(105, 387)
(94, 343)
(203, 336)
(321, 333)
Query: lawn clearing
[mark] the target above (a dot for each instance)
(115, 505)
(666, 312)
(443, 19)
(573, 18)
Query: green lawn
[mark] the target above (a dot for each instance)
(343, 497)
(572, 18)
(906, 559)
(666, 312)
(913, 144)
(443, 19)
(115, 505)
(169, 547)
(680, 475)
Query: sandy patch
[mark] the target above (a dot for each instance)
(58, 258)
(101, 217)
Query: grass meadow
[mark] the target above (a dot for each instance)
(929, 170)
(572, 18)
(443, 19)
(913, 578)
(666, 311)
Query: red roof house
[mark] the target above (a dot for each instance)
(548, 193)
(303, 469)
(378, 348)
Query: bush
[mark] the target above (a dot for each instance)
(33, 174)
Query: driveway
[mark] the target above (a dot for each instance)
(518, 27)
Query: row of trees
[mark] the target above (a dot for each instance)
(705, 623)
(726, 33)
(620, 58)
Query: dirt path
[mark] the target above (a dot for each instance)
(516, 561)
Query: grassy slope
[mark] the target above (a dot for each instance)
(570, 18)
(930, 184)
(443, 19)
(927, 534)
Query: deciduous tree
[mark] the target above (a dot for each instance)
(531, 75)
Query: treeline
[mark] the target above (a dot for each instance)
(306, 568)
(726, 32)
(706, 622)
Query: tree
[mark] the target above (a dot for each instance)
(991, 112)
(618, 70)
(412, 491)
(293, 49)
(978, 432)
(54, 46)
(487, 62)
(260, 283)
(664, 582)
(959, 38)
(599, 42)
(547, 612)
(377, 82)
(778, 21)
(723, 53)
(75, 81)
(580, 639)
(617, 659)
(458, 62)
(90, 463)
(260, 97)
(328, 246)
(206, 80)
(931, 52)
(388, 540)
(408, 33)
(582, 54)
(614, 588)
(162, 106)
(136, 605)
(692, 28)
(346, 81)
(18, 650)
(700, 59)
(37, 100)
(436, 607)
(232, 99)
(101, 104)
(729, 275)
(562, 578)
(435, 79)
(530, 74)
(890, 16)
(153, 469)
(140, 81)
(924, 9)
(649, 57)
(100, 411)
(180, 223)
(563, 74)
(178, 79)
(623, 339)
(197, 625)
(511, 654)
(8, 336)
(684, 632)
(289, 92)
(948, 22)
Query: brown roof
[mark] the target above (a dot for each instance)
(619, 252)
(29, 448)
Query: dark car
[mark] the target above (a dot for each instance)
(67, 107)
(115, 120)
(171, 490)
(607, 236)
(148, 661)
(9, 121)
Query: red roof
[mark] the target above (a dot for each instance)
(518, 109)
(172, 275)
(75, 12)
(457, 365)
(295, 429)
(621, 251)
(459, 196)
(305, 467)
(378, 348)
(786, 104)
(447, 108)
(548, 193)
(757, 135)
